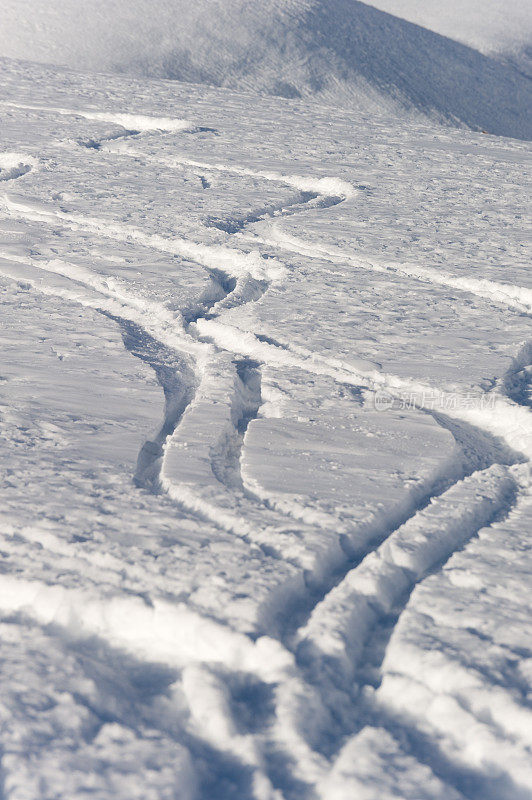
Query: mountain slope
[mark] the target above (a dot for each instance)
(492, 27)
(340, 51)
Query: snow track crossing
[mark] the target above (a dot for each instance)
(309, 656)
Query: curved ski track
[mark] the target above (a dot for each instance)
(208, 369)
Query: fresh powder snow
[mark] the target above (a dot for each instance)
(265, 399)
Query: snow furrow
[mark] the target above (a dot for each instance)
(517, 382)
(327, 187)
(518, 298)
(95, 143)
(486, 728)
(177, 378)
(150, 332)
(225, 457)
(334, 636)
(330, 646)
(215, 257)
(236, 224)
(494, 413)
(247, 289)
(201, 472)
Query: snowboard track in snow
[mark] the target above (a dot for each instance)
(177, 380)
(97, 143)
(485, 458)
(284, 775)
(324, 193)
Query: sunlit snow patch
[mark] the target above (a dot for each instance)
(137, 122)
(14, 165)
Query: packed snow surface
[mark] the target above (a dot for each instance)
(265, 436)
(343, 52)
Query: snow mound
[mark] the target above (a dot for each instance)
(15, 165)
(340, 51)
(136, 122)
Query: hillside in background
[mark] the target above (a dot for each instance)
(338, 51)
(494, 28)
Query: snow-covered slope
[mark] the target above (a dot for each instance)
(266, 441)
(491, 26)
(341, 51)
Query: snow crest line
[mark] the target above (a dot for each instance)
(159, 630)
(327, 186)
(518, 298)
(336, 190)
(235, 262)
(138, 122)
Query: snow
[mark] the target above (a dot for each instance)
(265, 417)
(343, 52)
(475, 686)
(486, 25)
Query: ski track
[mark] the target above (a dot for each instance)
(97, 143)
(382, 583)
(300, 202)
(177, 379)
(517, 298)
(324, 193)
(329, 190)
(198, 358)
